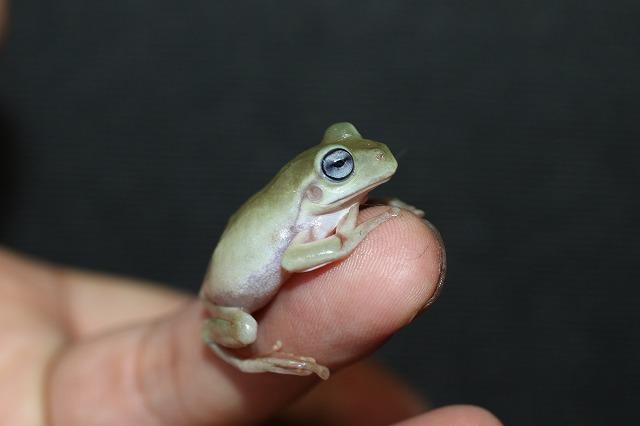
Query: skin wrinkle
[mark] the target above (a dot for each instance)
(193, 413)
(236, 400)
(421, 253)
(53, 280)
(37, 409)
(174, 366)
(171, 325)
(47, 384)
(64, 312)
(140, 349)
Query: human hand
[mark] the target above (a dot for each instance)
(85, 349)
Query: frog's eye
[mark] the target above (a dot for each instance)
(337, 164)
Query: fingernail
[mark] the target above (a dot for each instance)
(443, 267)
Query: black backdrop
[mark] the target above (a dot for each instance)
(130, 131)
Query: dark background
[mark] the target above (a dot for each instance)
(131, 130)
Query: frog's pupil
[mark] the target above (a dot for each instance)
(337, 164)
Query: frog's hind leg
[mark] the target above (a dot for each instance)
(234, 328)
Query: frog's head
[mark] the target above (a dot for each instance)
(346, 168)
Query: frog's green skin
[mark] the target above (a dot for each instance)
(300, 221)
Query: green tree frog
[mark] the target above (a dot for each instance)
(303, 219)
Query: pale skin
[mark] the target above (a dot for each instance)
(83, 348)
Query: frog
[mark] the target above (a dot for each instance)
(303, 219)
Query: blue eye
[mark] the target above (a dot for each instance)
(337, 164)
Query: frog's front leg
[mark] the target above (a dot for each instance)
(302, 257)
(234, 328)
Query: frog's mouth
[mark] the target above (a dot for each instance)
(358, 197)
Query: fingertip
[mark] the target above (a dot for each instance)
(454, 415)
(413, 250)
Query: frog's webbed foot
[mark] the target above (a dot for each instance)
(285, 363)
(234, 328)
(274, 362)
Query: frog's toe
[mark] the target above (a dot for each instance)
(274, 362)
(294, 365)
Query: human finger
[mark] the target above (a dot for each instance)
(83, 303)
(161, 372)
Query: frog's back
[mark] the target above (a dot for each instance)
(245, 270)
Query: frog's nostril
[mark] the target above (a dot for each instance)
(379, 155)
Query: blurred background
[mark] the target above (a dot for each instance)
(130, 131)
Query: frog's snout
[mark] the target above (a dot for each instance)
(385, 159)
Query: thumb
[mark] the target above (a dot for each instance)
(161, 372)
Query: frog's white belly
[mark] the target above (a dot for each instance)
(249, 274)
(254, 281)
